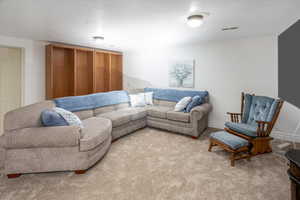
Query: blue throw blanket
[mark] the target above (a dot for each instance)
(92, 101)
(174, 95)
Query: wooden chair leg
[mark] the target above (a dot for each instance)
(232, 159)
(80, 171)
(210, 146)
(13, 175)
(249, 155)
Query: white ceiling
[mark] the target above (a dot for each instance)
(127, 24)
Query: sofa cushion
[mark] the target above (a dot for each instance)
(159, 111)
(164, 103)
(182, 104)
(137, 113)
(137, 100)
(178, 116)
(246, 129)
(149, 98)
(70, 117)
(96, 131)
(103, 109)
(84, 114)
(196, 101)
(121, 106)
(117, 118)
(52, 118)
(122, 116)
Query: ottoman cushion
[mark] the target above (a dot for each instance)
(233, 141)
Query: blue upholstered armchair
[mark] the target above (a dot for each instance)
(255, 122)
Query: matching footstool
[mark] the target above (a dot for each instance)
(237, 146)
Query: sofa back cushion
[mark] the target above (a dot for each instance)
(27, 116)
(84, 114)
(106, 109)
(92, 101)
(164, 103)
(103, 109)
(121, 106)
(174, 95)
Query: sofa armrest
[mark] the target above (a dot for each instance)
(199, 111)
(56, 136)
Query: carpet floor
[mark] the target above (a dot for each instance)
(158, 165)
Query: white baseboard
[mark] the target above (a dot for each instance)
(216, 124)
(285, 136)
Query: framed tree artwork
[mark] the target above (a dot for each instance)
(181, 74)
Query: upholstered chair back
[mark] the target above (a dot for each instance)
(258, 108)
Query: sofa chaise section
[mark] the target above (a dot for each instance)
(29, 147)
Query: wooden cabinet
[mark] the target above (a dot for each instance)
(73, 71)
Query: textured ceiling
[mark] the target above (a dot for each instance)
(142, 23)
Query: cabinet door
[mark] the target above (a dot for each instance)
(101, 75)
(62, 73)
(116, 72)
(84, 72)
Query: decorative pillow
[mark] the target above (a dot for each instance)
(70, 117)
(149, 98)
(137, 100)
(182, 104)
(196, 101)
(52, 118)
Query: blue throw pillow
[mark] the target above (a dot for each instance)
(196, 101)
(52, 118)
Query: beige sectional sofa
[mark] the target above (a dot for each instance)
(29, 147)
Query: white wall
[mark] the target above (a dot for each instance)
(33, 67)
(224, 68)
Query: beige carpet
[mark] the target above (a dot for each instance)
(157, 165)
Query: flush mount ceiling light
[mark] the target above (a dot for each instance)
(98, 38)
(195, 20)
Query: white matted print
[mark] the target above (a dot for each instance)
(181, 74)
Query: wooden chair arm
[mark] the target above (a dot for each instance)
(263, 128)
(235, 117)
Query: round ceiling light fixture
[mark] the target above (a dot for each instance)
(98, 38)
(195, 20)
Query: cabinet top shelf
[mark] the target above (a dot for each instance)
(74, 47)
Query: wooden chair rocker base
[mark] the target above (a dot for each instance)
(260, 145)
